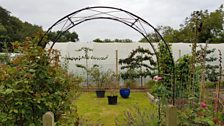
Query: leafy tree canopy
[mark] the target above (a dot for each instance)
(208, 25)
(65, 37)
(13, 29)
(98, 40)
(139, 63)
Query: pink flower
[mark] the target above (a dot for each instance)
(157, 78)
(203, 105)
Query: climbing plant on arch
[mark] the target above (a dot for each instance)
(111, 13)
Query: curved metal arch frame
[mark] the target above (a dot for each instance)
(133, 21)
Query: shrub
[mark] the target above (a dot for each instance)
(34, 83)
(130, 83)
(210, 84)
(149, 84)
(196, 115)
(138, 117)
(102, 79)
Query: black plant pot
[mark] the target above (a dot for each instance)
(125, 92)
(112, 100)
(100, 94)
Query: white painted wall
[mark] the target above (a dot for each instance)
(124, 49)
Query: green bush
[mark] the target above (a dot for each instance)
(150, 83)
(34, 83)
(222, 84)
(210, 84)
(130, 83)
(195, 115)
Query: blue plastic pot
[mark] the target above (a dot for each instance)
(125, 92)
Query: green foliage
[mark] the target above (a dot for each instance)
(138, 117)
(211, 73)
(152, 37)
(102, 79)
(138, 64)
(196, 115)
(130, 84)
(165, 65)
(209, 26)
(168, 33)
(150, 83)
(34, 83)
(210, 84)
(13, 29)
(159, 90)
(86, 57)
(98, 40)
(130, 74)
(5, 56)
(211, 69)
(182, 68)
(65, 37)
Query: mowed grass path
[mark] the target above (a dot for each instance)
(97, 109)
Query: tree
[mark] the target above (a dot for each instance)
(13, 29)
(3, 37)
(152, 37)
(210, 28)
(86, 57)
(211, 69)
(16, 29)
(97, 40)
(4, 13)
(139, 63)
(167, 32)
(65, 37)
(112, 41)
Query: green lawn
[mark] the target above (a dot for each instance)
(97, 109)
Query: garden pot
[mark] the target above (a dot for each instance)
(112, 100)
(125, 92)
(100, 94)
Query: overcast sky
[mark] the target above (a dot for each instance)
(158, 12)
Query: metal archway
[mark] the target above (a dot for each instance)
(104, 12)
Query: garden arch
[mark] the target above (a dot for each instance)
(111, 13)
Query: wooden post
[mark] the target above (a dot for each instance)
(179, 53)
(117, 68)
(48, 119)
(171, 116)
